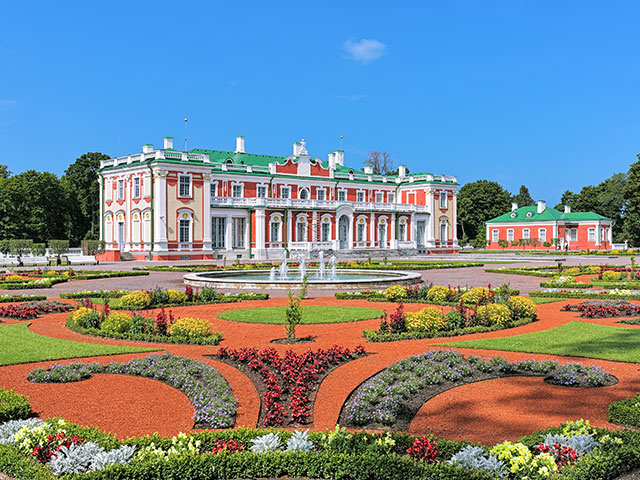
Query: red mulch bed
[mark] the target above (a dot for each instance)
(486, 411)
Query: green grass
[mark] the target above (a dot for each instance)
(539, 300)
(310, 314)
(18, 344)
(576, 339)
(113, 302)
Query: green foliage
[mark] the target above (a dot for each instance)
(58, 247)
(478, 202)
(293, 312)
(13, 406)
(92, 247)
(626, 412)
(523, 198)
(20, 247)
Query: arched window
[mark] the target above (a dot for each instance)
(444, 236)
(301, 229)
(304, 194)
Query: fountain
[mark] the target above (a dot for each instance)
(326, 276)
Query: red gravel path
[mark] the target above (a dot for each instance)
(486, 411)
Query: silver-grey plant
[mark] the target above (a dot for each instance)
(84, 457)
(300, 442)
(582, 444)
(475, 457)
(266, 443)
(8, 429)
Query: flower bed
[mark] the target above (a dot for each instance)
(21, 298)
(94, 294)
(605, 294)
(164, 328)
(208, 391)
(29, 279)
(547, 271)
(291, 380)
(28, 311)
(392, 397)
(582, 453)
(603, 309)
(432, 322)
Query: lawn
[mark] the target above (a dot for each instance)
(113, 302)
(18, 344)
(310, 314)
(577, 339)
(539, 300)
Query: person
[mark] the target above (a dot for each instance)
(566, 247)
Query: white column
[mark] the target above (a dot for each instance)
(431, 224)
(454, 216)
(260, 235)
(206, 213)
(160, 212)
(414, 231)
(314, 227)
(289, 227)
(101, 209)
(247, 237)
(372, 230)
(392, 226)
(351, 230)
(228, 233)
(598, 233)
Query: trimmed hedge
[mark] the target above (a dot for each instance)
(232, 298)
(521, 271)
(551, 284)
(31, 284)
(375, 336)
(13, 406)
(94, 294)
(626, 412)
(21, 298)
(586, 295)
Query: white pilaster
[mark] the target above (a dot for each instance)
(102, 209)
(160, 211)
(228, 233)
(372, 230)
(392, 226)
(314, 227)
(206, 213)
(289, 227)
(260, 233)
(454, 216)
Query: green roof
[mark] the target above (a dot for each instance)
(530, 214)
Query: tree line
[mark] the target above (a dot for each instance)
(617, 197)
(41, 206)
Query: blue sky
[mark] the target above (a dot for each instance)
(541, 93)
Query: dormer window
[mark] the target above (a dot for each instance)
(513, 215)
(228, 161)
(529, 214)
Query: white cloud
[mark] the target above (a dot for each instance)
(364, 51)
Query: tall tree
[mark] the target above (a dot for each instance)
(81, 182)
(4, 171)
(631, 193)
(523, 198)
(381, 162)
(478, 202)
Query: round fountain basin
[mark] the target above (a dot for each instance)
(351, 279)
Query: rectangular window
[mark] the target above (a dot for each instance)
(217, 232)
(525, 234)
(360, 196)
(320, 194)
(573, 235)
(392, 198)
(510, 235)
(285, 192)
(136, 187)
(402, 232)
(420, 232)
(120, 189)
(542, 234)
(495, 235)
(301, 232)
(214, 190)
(443, 200)
(361, 227)
(379, 197)
(274, 234)
(342, 195)
(591, 235)
(262, 191)
(238, 232)
(236, 191)
(184, 230)
(184, 186)
(603, 238)
(326, 232)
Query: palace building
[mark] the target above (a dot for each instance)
(165, 204)
(542, 227)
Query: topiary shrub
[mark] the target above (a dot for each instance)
(395, 293)
(429, 319)
(190, 327)
(572, 272)
(137, 299)
(474, 295)
(494, 314)
(522, 307)
(13, 406)
(117, 322)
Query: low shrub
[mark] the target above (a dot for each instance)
(610, 276)
(494, 314)
(475, 295)
(438, 294)
(429, 319)
(176, 296)
(190, 327)
(137, 299)
(395, 293)
(522, 307)
(117, 322)
(626, 412)
(13, 406)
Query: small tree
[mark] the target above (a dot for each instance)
(38, 249)
(380, 162)
(92, 247)
(20, 247)
(294, 310)
(503, 243)
(4, 247)
(58, 247)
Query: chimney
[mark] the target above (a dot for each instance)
(368, 170)
(168, 142)
(332, 161)
(240, 144)
(567, 209)
(147, 148)
(339, 157)
(541, 206)
(514, 206)
(402, 171)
